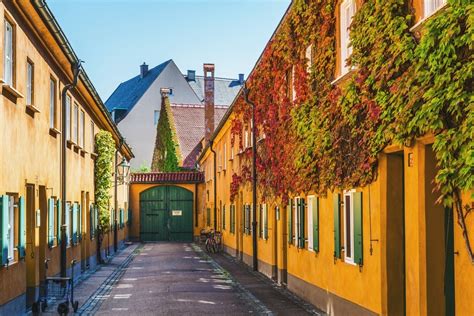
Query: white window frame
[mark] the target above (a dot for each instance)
(68, 117)
(350, 194)
(8, 52)
(92, 136)
(431, 6)
(310, 200)
(68, 223)
(30, 75)
(52, 103)
(296, 221)
(347, 10)
(11, 228)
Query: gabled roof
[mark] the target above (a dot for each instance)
(189, 125)
(168, 177)
(129, 92)
(225, 89)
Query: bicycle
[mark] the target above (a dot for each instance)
(213, 242)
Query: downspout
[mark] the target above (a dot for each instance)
(254, 180)
(211, 142)
(76, 69)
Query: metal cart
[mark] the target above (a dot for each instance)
(59, 290)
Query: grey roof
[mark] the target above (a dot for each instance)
(129, 92)
(225, 89)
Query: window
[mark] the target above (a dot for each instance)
(8, 54)
(156, 117)
(92, 137)
(51, 222)
(29, 82)
(347, 11)
(299, 222)
(82, 122)
(68, 223)
(313, 223)
(223, 217)
(348, 227)
(246, 139)
(75, 126)
(232, 218)
(430, 6)
(208, 217)
(68, 117)
(52, 103)
(11, 228)
(309, 58)
(263, 221)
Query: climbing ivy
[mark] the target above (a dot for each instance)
(105, 149)
(166, 154)
(315, 135)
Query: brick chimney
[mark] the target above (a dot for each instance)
(208, 101)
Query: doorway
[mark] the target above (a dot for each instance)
(439, 245)
(395, 223)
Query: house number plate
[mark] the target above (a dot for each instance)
(176, 213)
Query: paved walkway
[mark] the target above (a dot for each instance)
(181, 279)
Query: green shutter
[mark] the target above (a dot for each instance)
(59, 217)
(301, 219)
(50, 222)
(74, 223)
(22, 228)
(337, 236)
(290, 221)
(316, 224)
(358, 241)
(4, 229)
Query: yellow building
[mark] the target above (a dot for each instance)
(35, 67)
(387, 248)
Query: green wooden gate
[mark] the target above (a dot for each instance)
(166, 214)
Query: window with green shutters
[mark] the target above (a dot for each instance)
(58, 220)
(79, 222)
(337, 225)
(22, 228)
(4, 223)
(300, 222)
(353, 227)
(264, 220)
(313, 223)
(232, 218)
(208, 217)
(68, 223)
(51, 211)
(74, 222)
(223, 217)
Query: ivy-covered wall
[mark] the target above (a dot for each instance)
(166, 155)
(322, 136)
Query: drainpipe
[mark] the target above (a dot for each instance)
(211, 142)
(76, 69)
(254, 179)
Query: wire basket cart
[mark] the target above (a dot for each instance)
(59, 290)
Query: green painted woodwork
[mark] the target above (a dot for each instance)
(4, 229)
(21, 228)
(59, 217)
(301, 223)
(358, 240)
(290, 221)
(157, 221)
(315, 214)
(74, 223)
(265, 223)
(337, 225)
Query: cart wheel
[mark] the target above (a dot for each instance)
(44, 305)
(75, 306)
(63, 308)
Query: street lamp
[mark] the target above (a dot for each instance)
(246, 91)
(123, 169)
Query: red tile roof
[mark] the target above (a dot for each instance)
(189, 123)
(168, 177)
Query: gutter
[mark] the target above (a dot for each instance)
(48, 18)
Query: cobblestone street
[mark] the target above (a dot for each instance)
(180, 279)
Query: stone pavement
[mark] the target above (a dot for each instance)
(180, 279)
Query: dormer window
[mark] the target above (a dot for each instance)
(431, 6)
(347, 11)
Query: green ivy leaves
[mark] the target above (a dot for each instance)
(105, 149)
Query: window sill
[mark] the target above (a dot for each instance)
(343, 77)
(12, 91)
(70, 143)
(33, 108)
(54, 131)
(419, 26)
(94, 156)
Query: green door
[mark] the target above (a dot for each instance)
(166, 214)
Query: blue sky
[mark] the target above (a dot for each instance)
(114, 37)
